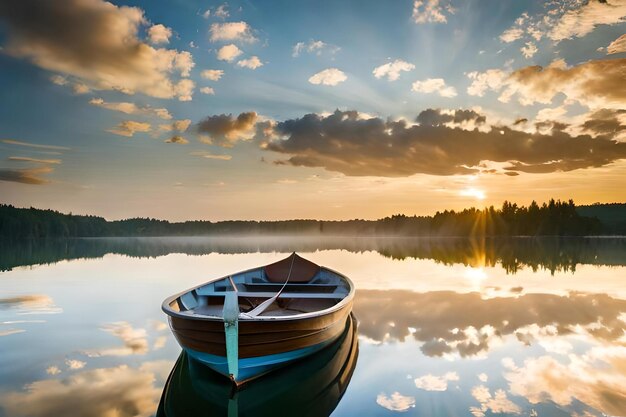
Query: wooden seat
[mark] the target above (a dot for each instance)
(284, 294)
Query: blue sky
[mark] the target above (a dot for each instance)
(113, 84)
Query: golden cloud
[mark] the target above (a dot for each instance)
(95, 42)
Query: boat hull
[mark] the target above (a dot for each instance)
(263, 345)
(307, 388)
(251, 368)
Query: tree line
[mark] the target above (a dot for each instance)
(554, 218)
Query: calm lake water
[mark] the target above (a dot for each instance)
(446, 327)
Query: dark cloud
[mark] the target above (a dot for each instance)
(224, 129)
(605, 121)
(346, 143)
(547, 126)
(25, 176)
(435, 117)
(177, 139)
(520, 121)
(432, 318)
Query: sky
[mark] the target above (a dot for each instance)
(263, 110)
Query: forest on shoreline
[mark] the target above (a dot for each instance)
(554, 218)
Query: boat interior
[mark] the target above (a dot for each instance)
(310, 288)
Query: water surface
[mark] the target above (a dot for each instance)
(447, 327)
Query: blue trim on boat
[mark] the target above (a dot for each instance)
(252, 367)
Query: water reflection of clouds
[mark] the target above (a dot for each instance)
(25, 305)
(135, 340)
(30, 304)
(583, 337)
(120, 391)
(596, 378)
(496, 403)
(436, 383)
(466, 324)
(395, 402)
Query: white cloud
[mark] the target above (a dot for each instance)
(395, 402)
(329, 76)
(131, 108)
(129, 127)
(529, 50)
(431, 11)
(58, 80)
(392, 70)
(492, 79)
(231, 31)
(183, 62)
(53, 370)
(582, 21)
(75, 364)
(511, 34)
(184, 89)
(159, 34)
(222, 11)
(207, 90)
(556, 345)
(80, 88)
(434, 85)
(617, 46)
(213, 75)
(483, 377)
(313, 46)
(228, 53)
(435, 383)
(178, 126)
(551, 113)
(525, 26)
(252, 63)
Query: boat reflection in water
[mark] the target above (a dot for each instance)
(311, 387)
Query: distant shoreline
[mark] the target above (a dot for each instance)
(554, 218)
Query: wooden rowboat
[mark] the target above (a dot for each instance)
(249, 323)
(309, 388)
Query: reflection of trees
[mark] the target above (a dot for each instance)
(554, 254)
(447, 322)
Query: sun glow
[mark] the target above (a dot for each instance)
(475, 274)
(473, 192)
